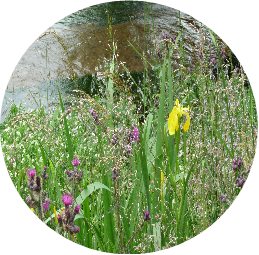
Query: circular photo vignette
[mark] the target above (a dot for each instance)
(134, 133)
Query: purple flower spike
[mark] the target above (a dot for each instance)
(67, 200)
(77, 208)
(136, 134)
(146, 215)
(234, 167)
(31, 173)
(75, 162)
(46, 205)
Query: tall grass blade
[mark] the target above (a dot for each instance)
(222, 141)
(69, 144)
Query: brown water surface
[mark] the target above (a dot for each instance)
(88, 45)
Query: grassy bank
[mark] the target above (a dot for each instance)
(141, 184)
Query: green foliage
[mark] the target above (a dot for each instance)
(179, 179)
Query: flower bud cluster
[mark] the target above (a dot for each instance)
(223, 198)
(67, 215)
(37, 195)
(167, 39)
(237, 163)
(73, 174)
(167, 36)
(33, 182)
(240, 181)
(132, 136)
(125, 140)
(160, 54)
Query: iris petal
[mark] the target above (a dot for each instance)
(174, 116)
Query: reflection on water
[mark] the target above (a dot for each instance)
(86, 37)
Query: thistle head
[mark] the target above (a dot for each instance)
(67, 200)
(46, 205)
(77, 208)
(31, 173)
(75, 162)
(146, 215)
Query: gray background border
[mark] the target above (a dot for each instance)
(235, 21)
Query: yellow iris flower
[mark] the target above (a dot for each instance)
(174, 117)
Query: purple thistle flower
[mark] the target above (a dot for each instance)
(75, 162)
(67, 200)
(77, 208)
(234, 167)
(76, 229)
(240, 181)
(31, 173)
(91, 111)
(146, 215)
(46, 205)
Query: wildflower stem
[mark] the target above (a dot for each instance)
(134, 235)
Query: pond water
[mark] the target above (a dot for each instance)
(85, 34)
